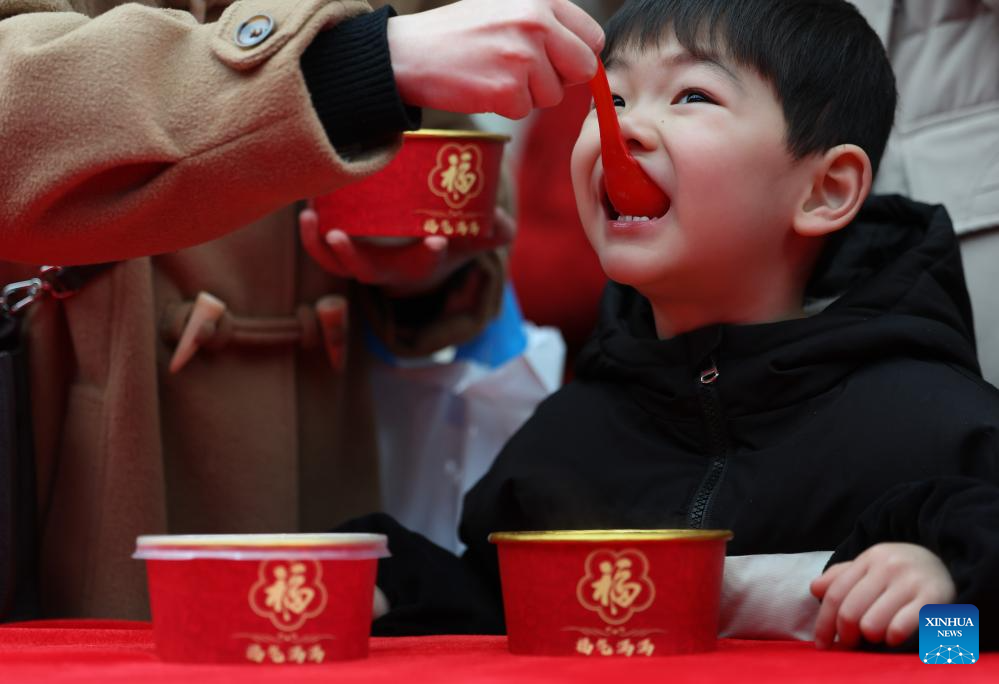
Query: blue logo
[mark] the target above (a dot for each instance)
(948, 634)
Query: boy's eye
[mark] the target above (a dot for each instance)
(617, 100)
(692, 97)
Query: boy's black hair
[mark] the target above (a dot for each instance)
(828, 67)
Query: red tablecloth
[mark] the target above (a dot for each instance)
(112, 651)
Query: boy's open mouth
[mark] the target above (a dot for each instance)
(614, 215)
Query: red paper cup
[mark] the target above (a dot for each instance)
(440, 183)
(611, 593)
(269, 598)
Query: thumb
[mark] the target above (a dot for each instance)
(504, 230)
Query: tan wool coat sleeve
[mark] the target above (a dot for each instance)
(138, 130)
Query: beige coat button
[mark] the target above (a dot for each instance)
(254, 31)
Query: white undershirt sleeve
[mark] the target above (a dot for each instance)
(766, 596)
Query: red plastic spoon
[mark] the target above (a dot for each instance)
(631, 190)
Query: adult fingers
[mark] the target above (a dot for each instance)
(503, 232)
(504, 227)
(855, 606)
(825, 623)
(430, 263)
(401, 268)
(512, 100)
(315, 245)
(344, 250)
(435, 243)
(308, 219)
(418, 267)
(545, 86)
(581, 24)
(571, 57)
(326, 258)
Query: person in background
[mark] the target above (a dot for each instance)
(200, 385)
(945, 146)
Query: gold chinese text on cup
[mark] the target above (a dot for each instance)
(440, 183)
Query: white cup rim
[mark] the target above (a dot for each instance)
(321, 546)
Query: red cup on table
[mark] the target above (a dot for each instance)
(440, 183)
(611, 593)
(287, 599)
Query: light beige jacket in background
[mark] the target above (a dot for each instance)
(945, 145)
(142, 132)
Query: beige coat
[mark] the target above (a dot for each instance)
(945, 146)
(142, 131)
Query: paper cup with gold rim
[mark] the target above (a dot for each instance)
(261, 598)
(611, 593)
(439, 183)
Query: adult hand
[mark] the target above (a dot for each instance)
(400, 270)
(879, 594)
(502, 56)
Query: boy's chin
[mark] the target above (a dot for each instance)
(631, 272)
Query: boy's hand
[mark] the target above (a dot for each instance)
(405, 270)
(503, 56)
(879, 594)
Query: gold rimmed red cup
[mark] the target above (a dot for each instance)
(282, 599)
(439, 183)
(611, 593)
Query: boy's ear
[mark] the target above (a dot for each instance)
(840, 183)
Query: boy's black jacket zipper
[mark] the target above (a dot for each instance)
(714, 423)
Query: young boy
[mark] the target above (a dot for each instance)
(709, 398)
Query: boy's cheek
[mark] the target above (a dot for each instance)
(582, 164)
(587, 142)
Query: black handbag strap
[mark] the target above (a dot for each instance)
(18, 528)
(65, 280)
(57, 282)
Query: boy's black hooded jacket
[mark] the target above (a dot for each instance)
(863, 423)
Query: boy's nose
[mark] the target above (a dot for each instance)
(639, 135)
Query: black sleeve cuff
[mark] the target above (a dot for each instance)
(348, 71)
(429, 589)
